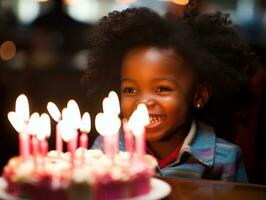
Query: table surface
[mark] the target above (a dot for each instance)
(186, 189)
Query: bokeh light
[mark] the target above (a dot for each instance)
(126, 1)
(180, 2)
(7, 50)
(27, 10)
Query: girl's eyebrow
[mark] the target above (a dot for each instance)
(127, 79)
(166, 79)
(173, 80)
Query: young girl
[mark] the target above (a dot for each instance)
(158, 61)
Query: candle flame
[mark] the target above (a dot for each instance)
(106, 124)
(16, 122)
(98, 123)
(139, 119)
(107, 108)
(115, 102)
(64, 114)
(111, 104)
(44, 128)
(45, 119)
(33, 123)
(22, 107)
(66, 130)
(54, 111)
(74, 113)
(144, 114)
(126, 1)
(85, 125)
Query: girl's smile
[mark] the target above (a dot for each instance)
(155, 121)
(157, 78)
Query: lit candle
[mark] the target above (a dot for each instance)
(85, 128)
(33, 127)
(129, 140)
(46, 131)
(19, 120)
(69, 127)
(108, 127)
(111, 110)
(42, 132)
(114, 103)
(56, 115)
(73, 116)
(137, 122)
(68, 133)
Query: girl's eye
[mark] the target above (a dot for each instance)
(129, 90)
(163, 89)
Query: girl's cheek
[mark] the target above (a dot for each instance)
(127, 108)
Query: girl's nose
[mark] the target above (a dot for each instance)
(147, 100)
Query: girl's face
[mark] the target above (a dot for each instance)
(158, 78)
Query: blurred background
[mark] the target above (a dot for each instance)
(43, 54)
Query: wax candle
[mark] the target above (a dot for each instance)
(85, 127)
(108, 126)
(129, 139)
(23, 137)
(69, 135)
(24, 147)
(22, 110)
(137, 122)
(33, 127)
(83, 140)
(58, 139)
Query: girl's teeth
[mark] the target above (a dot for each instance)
(155, 119)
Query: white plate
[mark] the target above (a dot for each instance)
(159, 190)
(3, 194)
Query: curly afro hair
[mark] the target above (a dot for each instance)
(216, 33)
(212, 52)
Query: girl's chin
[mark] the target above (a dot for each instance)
(154, 136)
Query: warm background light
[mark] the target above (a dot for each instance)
(69, 1)
(126, 1)
(41, 1)
(8, 50)
(180, 2)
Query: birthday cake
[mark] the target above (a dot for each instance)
(78, 173)
(93, 176)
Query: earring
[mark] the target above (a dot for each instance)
(198, 106)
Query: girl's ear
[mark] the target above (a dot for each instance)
(201, 96)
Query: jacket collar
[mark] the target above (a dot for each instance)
(202, 147)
